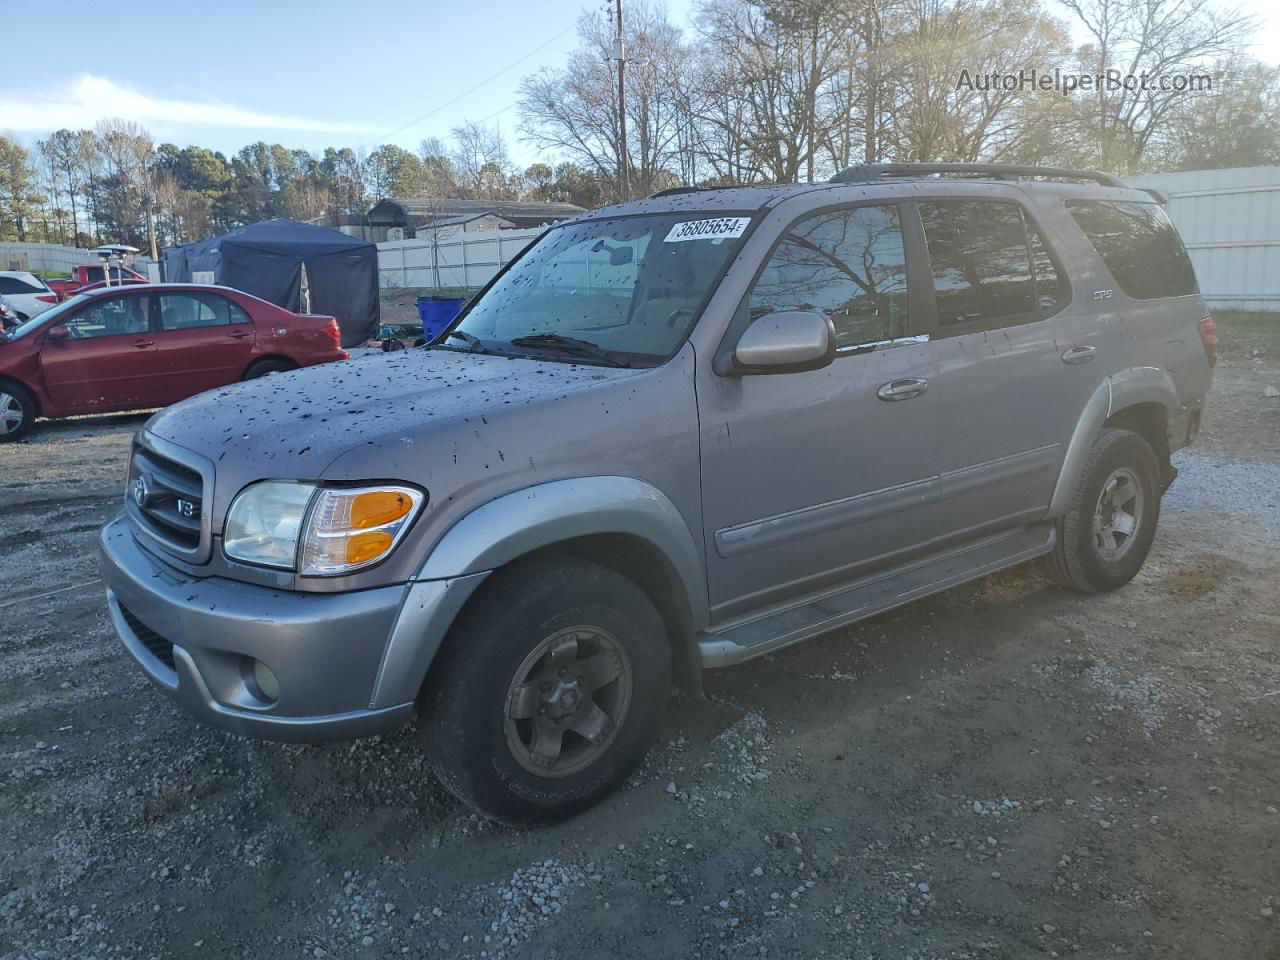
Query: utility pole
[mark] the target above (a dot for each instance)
(620, 54)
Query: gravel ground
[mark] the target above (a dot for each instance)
(1002, 771)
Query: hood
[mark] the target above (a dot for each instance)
(293, 425)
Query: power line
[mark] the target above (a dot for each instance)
(467, 93)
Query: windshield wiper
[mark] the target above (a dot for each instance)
(474, 343)
(572, 345)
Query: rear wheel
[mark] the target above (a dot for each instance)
(17, 412)
(260, 368)
(1104, 537)
(549, 691)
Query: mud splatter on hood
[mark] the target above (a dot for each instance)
(295, 424)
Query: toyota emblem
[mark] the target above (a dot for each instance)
(141, 490)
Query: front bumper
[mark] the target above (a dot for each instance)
(196, 640)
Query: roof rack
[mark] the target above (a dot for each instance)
(673, 191)
(868, 172)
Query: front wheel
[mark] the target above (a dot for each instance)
(548, 692)
(1104, 537)
(17, 412)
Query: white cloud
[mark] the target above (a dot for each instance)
(91, 99)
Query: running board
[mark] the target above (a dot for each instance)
(745, 639)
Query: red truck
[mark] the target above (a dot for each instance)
(92, 275)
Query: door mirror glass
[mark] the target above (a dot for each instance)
(58, 332)
(787, 341)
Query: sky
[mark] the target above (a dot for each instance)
(307, 74)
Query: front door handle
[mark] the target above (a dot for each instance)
(143, 344)
(903, 389)
(1079, 354)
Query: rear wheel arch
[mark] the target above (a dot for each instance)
(1150, 421)
(269, 363)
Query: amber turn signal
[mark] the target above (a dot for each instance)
(378, 508)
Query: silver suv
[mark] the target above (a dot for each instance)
(675, 434)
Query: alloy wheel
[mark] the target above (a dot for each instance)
(11, 413)
(1118, 514)
(567, 701)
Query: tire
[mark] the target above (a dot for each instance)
(17, 412)
(260, 368)
(1103, 557)
(489, 696)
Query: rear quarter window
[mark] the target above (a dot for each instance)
(1139, 245)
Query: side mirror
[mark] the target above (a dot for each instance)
(58, 332)
(789, 341)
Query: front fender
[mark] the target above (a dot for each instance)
(539, 516)
(516, 524)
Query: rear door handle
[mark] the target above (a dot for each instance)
(1079, 354)
(142, 344)
(903, 389)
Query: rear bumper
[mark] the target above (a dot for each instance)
(196, 639)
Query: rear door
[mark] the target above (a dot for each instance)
(813, 478)
(206, 341)
(1017, 361)
(109, 360)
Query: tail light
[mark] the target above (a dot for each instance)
(1209, 337)
(46, 298)
(331, 328)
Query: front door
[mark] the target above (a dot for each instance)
(108, 360)
(812, 478)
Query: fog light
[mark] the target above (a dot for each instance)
(267, 683)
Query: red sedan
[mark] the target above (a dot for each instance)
(119, 349)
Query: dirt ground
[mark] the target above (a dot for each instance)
(1002, 771)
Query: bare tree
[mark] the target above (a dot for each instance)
(575, 111)
(1153, 38)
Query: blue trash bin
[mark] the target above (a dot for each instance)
(436, 313)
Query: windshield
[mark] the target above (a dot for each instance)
(51, 314)
(631, 286)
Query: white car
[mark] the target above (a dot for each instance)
(27, 293)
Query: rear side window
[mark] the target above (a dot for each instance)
(1052, 289)
(15, 285)
(850, 265)
(1139, 245)
(981, 264)
(186, 310)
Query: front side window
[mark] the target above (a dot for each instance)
(631, 286)
(981, 266)
(850, 265)
(1139, 245)
(110, 317)
(185, 310)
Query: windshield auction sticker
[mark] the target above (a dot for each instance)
(721, 228)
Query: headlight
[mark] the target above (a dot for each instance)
(345, 528)
(350, 528)
(264, 522)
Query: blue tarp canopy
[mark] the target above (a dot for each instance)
(266, 259)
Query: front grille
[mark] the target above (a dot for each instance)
(168, 498)
(160, 648)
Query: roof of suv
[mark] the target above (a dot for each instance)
(898, 179)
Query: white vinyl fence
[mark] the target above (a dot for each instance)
(46, 257)
(454, 259)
